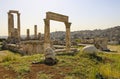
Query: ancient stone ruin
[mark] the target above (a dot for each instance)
(31, 47)
(50, 58)
(39, 36)
(60, 18)
(101, 44)
(90, 49)
(28, 34)
(36, 44)
(13, 33)
(35, 32)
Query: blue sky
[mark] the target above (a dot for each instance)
(83, 14)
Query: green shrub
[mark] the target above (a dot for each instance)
(109, 72)
(9, 57)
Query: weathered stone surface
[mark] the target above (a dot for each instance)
(26, 47)
(32, 47)
(47, 31)
(28, 34)
(101, 43)
(50, 58)
(13, 33)
(14, 48)
(49, 53)
(56, 17)
(68, 43)
(90, 49)
(39, 36)
(35, 32)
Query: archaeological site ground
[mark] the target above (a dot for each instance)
(69, 55)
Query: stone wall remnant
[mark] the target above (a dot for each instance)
(32, 47)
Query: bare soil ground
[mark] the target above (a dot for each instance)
(55, 73)
(35, 69)
(5, 73)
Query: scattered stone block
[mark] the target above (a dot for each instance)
(90, 49)
(50, 58)
(101, 44)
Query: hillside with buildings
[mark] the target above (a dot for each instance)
(113, 34)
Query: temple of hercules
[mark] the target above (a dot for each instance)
(36, 43)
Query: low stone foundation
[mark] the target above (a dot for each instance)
(32, 47)
(14, 48)
(26, 47)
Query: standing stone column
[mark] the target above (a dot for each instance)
(18, 23)
(35, 32)
(39, 36)
(28, 34)
(68, 45)
(10, 24)
(46, 34)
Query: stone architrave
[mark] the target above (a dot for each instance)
(56, 17)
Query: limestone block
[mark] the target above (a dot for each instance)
(50, 58)
(90, 49)
(101, 43)
(49, 53)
